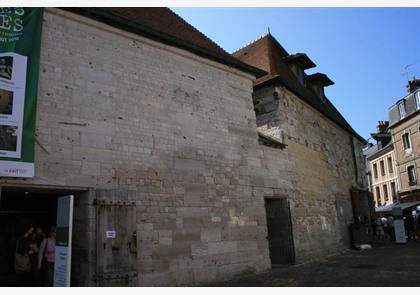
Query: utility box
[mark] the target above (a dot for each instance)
(360, 234)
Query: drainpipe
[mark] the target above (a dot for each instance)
(354, 158)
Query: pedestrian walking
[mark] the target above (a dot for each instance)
(46, 256)
(409, 223)
(379, 230)
(391, 227)
(384, 221)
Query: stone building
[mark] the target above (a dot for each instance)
(187, 164)
(320, 169)
(404, 123)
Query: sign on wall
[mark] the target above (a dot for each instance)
(62, 268)
(20, 43)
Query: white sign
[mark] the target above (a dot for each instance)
(62, 267)
(399, 231)
(110, 234)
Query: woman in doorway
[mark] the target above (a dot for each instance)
(26, 245)
(46, 256)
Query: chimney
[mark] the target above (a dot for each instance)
(413, 85)
(382, 126)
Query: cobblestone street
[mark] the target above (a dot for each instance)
(385, 265)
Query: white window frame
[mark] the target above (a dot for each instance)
(385, 192)
(382, 167)
(417, 96)
(390, 165)
(401, 109)
(375, 170)
(378, 195)
(411, 170)
(393, 190)
(406, 141)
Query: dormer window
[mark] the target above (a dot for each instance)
(417, 95)
(317, 82)
(299, 72)
(401, 109)
(298, 63)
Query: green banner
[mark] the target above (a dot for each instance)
(20, 45)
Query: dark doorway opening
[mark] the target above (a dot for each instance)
(280, 235)
(15, 206)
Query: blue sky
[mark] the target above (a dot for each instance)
(366, 51)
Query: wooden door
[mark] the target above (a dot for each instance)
(280, 235)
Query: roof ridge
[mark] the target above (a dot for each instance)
(268, 33)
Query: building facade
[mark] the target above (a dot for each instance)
(404, 123)
(383, 171)
(185, 167)
(320, 169)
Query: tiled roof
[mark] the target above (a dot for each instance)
(164, 20)
(267, 54)
(264, 53)
(163, 25)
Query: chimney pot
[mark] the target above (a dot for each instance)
(413, 85)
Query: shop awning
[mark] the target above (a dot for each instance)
(388, 208)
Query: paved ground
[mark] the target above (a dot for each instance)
(385, 265)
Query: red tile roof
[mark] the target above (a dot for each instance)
(267, 54)
(164, 20)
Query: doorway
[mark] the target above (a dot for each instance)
(16, 206)
(280, 234)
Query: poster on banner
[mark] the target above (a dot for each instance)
(20, 43)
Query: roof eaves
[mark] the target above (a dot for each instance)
(320, 77)
(405, 119)
(389, 147)
(301, 58)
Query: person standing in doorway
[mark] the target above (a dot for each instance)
(47, 256)
(25, 244)
(410, 227)
(379, 230)
(37, 237)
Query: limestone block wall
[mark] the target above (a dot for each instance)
(316, 170)
(116, 111)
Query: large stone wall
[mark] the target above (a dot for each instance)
(316, 170)
(178, 134)
(120, 112)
